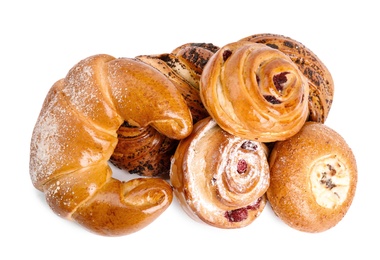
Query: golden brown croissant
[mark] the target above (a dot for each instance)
(313, 178)
(255, 92)
(219, 178)
(320, 80)
(75, 135)
(145, 151)
(184, 66)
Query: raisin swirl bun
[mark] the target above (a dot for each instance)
(313, 178)
(255, 92)
(75, 136)
(321, 83)
(220, 179)
(144, 150)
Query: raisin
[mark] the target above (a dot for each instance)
(248, 145)
(226, 54)
(272, 99)
(280, 79)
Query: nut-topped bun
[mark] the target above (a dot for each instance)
(313, 178)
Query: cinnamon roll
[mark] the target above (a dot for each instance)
(255, 92)
(220, 179)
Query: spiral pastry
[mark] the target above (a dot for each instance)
(143, 151)
(320, 80)
(219, 178)
(255, 92)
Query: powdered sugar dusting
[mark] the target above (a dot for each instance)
(212, 178)
(45, 146)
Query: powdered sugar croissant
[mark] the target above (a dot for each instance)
(255, 92)
(75, 135)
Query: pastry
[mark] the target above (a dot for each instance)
(145, 151)
(75, 136)
(321, 83)
(255, 92)
(218, 178)
(184, 66)
(313, 177)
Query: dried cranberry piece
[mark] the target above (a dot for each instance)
(236, 215)
(241, 214)
(241, 166)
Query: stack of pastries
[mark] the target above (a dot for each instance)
(225, 130)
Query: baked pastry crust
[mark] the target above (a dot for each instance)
(75, 136)
(321, 83)
(144, 150)
(313, 178)
(218, 178)
(255, 92)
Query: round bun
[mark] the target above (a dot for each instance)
(313, 178)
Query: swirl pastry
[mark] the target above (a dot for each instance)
(255, 92)
(145, 151)
(313, 178)
(75, 136)
(321, 83)
(220, 179)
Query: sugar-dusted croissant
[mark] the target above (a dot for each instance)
(220, 179)
(255, 92)
(146, 151)
(75, 135)
(320, 80)
(313, 177)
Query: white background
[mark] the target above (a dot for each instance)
(41, 40)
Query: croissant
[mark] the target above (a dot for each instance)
(220, 179)
(321, 83)
(255, 92)
(184, 66)
(75, 135)
(313, 178)
(145, 151)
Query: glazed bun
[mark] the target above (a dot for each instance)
(313, 178)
